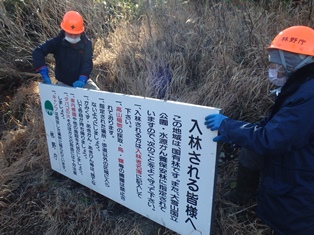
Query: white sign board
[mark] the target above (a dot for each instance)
(155, 157)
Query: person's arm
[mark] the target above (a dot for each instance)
(39, 55)
(40, 52)
(290, 128)
(87, 64)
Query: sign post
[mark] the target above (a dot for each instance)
(155, 157)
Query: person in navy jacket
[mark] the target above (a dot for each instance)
(280, 147)
(72, 51)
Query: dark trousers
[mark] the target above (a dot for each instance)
(251, 160)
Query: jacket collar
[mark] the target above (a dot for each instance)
(79, 46)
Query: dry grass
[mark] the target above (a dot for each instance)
(217, 57)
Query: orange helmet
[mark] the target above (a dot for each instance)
(295, 39)
(72, 23)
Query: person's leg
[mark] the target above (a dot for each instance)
(61, 84)
(251, 160)
(91, 85)
(249, 166)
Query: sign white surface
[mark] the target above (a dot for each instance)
(155, 157)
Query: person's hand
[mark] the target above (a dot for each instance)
(213, 121)
(44, 73)
(81, 82)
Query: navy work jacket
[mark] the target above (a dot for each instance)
(71, 60)
(286, 142)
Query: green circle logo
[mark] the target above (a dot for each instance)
(48, 107)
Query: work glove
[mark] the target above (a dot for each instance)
(44, 73)
(213, 121)
(81, 82)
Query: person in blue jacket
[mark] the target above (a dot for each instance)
(73, 54)
(161, 82)
(161, 73)
(280, 147)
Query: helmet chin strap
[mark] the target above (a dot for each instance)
(283, 60)
(307, 60)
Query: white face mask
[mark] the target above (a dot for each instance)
(272, 76)
(72, 40)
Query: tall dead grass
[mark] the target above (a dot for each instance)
(216, 53)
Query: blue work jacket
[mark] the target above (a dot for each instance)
(71, 60)
(286, 142)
